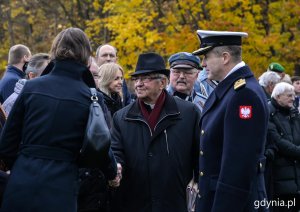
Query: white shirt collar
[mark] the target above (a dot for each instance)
(236, 67)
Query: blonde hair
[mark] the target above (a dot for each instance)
(107, 73)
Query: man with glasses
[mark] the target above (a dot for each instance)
(155, 140)
(184, 70)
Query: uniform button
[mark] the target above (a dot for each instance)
(202, 132)
(201, 152)
(150, 154)
(260, 165)
(201, 174)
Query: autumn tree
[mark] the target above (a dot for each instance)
(163, 26)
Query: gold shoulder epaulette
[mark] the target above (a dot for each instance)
(239, 83)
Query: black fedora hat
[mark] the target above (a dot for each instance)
(150, 63)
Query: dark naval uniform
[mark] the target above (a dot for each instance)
(233, 132)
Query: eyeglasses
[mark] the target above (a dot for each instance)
(144, 79)
(177, 72)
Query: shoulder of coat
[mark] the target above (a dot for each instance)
(239, 84)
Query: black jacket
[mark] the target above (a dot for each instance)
(284, 133)
(156, 167)
(113, 103)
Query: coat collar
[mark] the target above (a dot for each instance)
(168, 116)
(169, 108)
(73, 69)
(228, 82)
(223, 87)
(11, 68)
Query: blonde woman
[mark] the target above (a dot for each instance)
(110, 84)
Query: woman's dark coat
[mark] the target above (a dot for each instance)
(94, 193)
(42, 138)
(156, 167)
(113, 103)
(284, 133)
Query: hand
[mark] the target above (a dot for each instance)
(116, 182)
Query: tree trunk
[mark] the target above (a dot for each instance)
(10, 25)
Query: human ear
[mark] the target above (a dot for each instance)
(226, 57)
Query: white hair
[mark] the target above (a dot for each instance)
(268, 78)
(281, 88)
(287, 79)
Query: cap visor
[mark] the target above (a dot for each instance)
(144, 72)
(182, 66)
(203, 50)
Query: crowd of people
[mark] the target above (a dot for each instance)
(209, 122)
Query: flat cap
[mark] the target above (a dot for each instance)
(184, 60)
(210, 39)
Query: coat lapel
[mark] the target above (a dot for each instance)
(209, 103)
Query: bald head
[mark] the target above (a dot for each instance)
(106, 54)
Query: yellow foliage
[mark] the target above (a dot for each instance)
(165, 27)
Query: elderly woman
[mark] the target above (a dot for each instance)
(284, 134)
(110, 84)
(44, 132)
(267, 81)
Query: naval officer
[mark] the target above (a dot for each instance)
(233, 128)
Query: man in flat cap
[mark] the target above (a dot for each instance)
(155, 139)
(184, 69)
(233, 128)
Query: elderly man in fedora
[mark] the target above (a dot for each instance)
(155, 140)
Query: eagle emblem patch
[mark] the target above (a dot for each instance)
(245, 112)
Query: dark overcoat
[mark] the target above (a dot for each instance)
(156, 167)
(42, 138)
(233, 133)
(284, 132)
